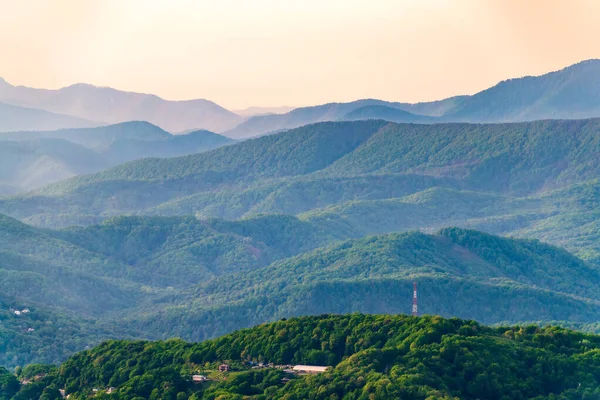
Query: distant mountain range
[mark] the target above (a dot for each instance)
(33, 159)
(15, 118)
(109, 106)
(252, 111)
(571, 93)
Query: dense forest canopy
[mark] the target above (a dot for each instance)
(370, 357)
(198, 278)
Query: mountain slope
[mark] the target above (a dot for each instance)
(112, 106)
(16, 118)
(460, 273)
(81, 284)
(159, 277)
(572, 92)
(518, 159)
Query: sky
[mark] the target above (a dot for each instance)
(242, 53)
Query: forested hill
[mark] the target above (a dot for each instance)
(460, 273)
(527, 179)
(370, 357)
(162, 277)
(505, 158)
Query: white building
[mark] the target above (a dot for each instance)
(309, 369)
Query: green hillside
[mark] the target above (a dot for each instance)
(532, 180)
(460, 273)
(251, 232)
(197, 278)
(516, 159)
(81, 283)
(370, 357)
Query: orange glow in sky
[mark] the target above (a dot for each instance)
(242, 53)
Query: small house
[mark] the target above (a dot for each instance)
(17, 312)
(25, 311)
(224, 368)
(199, 378)
(110, 390)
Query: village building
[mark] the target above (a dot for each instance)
(199, 378)
(224, 368)
(309, 369)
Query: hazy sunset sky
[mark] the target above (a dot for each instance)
(292, 52)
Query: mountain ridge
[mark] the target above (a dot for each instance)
(112, 106)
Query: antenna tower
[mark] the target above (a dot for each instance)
(414, 309)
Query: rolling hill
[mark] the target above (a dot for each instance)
(329, 164)
(158, 277)
(460, 273)
(111, 106)
(79, 282)
(369, 356)
(33, 159)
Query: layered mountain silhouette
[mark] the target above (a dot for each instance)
(109, 106)
(571, 93)
(16, 118)
(33, 159)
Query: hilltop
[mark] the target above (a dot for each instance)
(369, 356)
